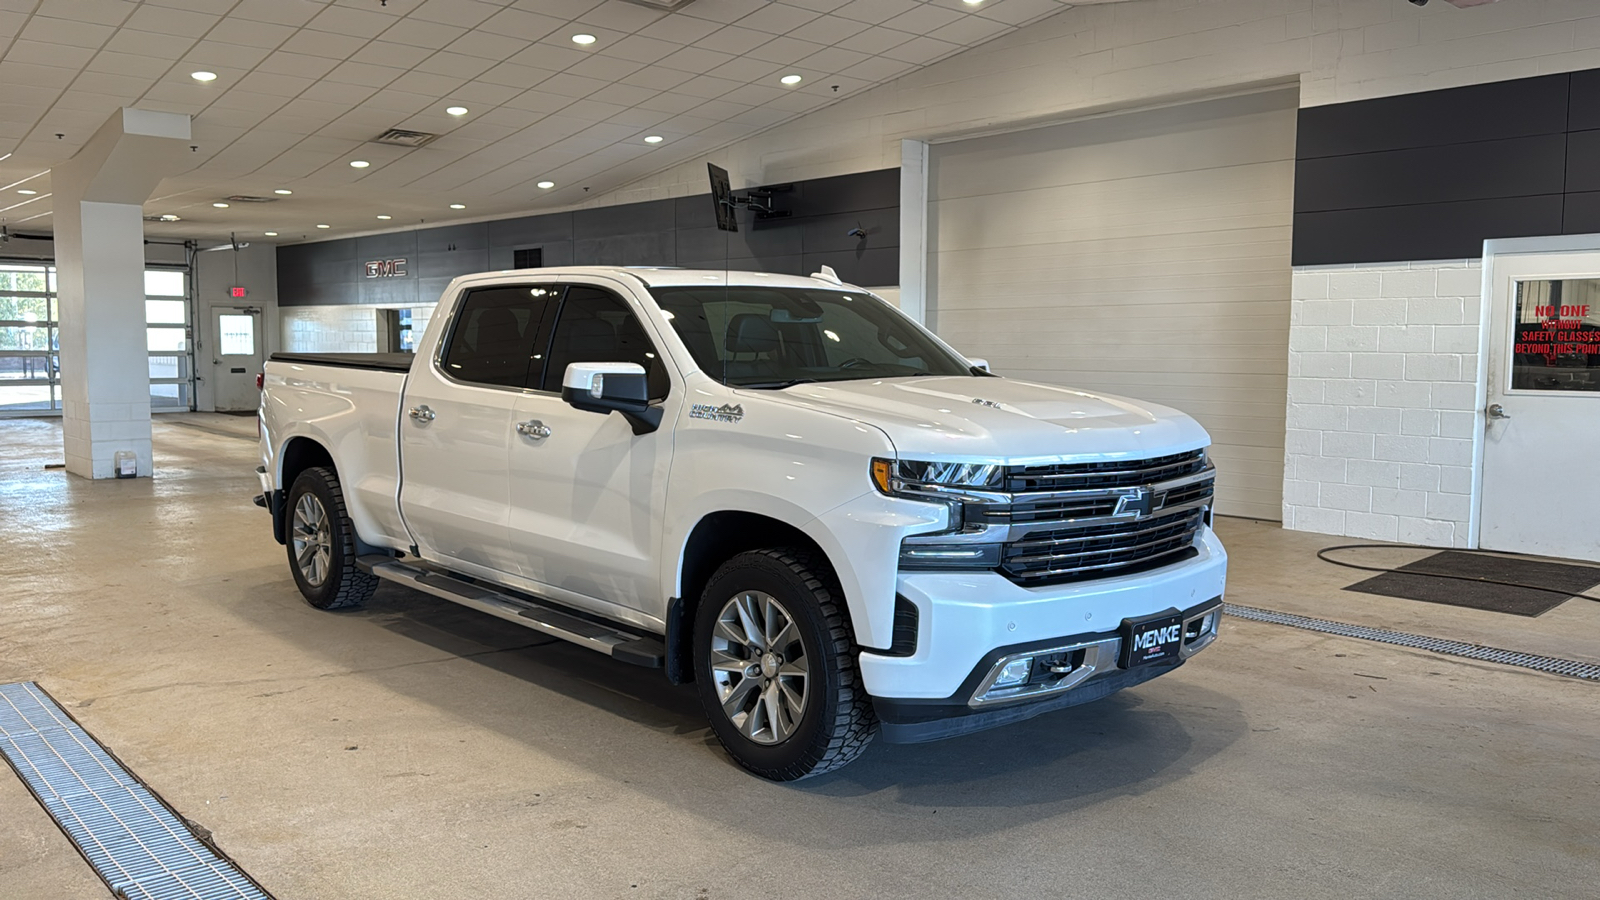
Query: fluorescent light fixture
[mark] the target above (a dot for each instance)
(283, 191)
(27, 193)
(585, 39)
(386, 218)
(359, 164)
(4, 158)
(547, 185)
(458, 206)
(791, 79)
(654, 139)
(220, 205)
(270, 233)
(457, 110)
(203, 77)
(324, 226)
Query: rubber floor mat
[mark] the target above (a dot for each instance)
(1405, 584)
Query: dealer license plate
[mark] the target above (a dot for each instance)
(1151, 640)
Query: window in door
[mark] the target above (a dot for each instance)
(30, 380)
(597, 326)
(499, 335)
(168, 338)
(1555, 335)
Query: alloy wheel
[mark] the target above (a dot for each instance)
(759, 667)
(313, 540)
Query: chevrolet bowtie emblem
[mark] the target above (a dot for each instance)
(1138, 503)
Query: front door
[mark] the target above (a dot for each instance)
(236, 357)
(587, 494)
(456, 428)
(1543, 407)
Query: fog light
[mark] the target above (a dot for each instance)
(1015, 672)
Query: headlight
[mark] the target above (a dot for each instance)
(906, 476)
(959, 547)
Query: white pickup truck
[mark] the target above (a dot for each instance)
(780, 489)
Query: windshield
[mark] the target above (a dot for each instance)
(775, 337)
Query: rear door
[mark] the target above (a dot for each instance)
(587, 494)
(456, 426)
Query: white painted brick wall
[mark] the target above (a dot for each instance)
(330, 329)
(1383, 367)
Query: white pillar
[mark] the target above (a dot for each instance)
(99, 239)
(914, 229)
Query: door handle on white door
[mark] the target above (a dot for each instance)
(533, 428)
(1496, 411)
(421, 413)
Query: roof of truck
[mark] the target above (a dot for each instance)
(662, 276)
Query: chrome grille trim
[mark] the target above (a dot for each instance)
(1075, 552)
(1114, 474)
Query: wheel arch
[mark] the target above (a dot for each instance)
(716, 538)
(299, 454)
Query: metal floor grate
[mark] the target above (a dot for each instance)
(142, 849)
(1569, 667)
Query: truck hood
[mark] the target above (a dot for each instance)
(998, 420)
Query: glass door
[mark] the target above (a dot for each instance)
(30, 377)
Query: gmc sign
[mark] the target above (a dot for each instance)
(386, 268)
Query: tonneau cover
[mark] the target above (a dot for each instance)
(391, 362)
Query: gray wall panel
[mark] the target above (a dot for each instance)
(460, 237)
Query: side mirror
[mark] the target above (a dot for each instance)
(979, 363)
(612, 387)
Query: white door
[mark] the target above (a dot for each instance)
(1143, 254)
(236, 357)
(587, 494)
(1543, 407)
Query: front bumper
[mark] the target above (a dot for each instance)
(969, 620)
(1095, 672)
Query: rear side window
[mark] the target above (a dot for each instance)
(499, 334)
(597, 326)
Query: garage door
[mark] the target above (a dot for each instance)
(1144, 254)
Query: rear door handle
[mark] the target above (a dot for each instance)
(421, 413)
(533, 428)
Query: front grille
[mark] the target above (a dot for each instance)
(1098, 550)
(1098, 475)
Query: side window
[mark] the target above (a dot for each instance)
(595, 325)
(498, 333)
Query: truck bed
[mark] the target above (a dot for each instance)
(389, 362)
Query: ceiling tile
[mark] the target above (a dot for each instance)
(605, 68)
(282, 12)
(828, 29)
(422, 34)
(336, 92)
(517, 23)
(638, 116)
(877, 68)
(148, 43)
(571, 85)
(165, 20)
(466, 13)
(970, 30)
(61, 31)
(539, 101)
(484, 92)
(734, 39)
(921, 50)
(821, 6)
(680, 29)
(834, 59)
(786, 50)
(455, 65)
(624, 95)
(426, 83)
(40, 53)
(640, 49)
(545, 55)
(515, 76)
(695, 59)
(488, 46)
(322, 43)
(724, 11)
(875, 11)
(125, 64)
(1018, 12)
(619, 16)
(397, 101)
(347, 20)
(389, 53)
(250, 34)
(776, 18)
(213, 54)
(875, 40)
(100, 12)
(657, 77)
(745, 69)
(364, 73)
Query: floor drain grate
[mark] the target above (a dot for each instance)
(1569, 667)
(142, 849)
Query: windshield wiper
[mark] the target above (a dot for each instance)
(778, 385)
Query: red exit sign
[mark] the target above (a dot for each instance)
(236, 293)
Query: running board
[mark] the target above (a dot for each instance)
(615, 643)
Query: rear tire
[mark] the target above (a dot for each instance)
(322, 543)
(775, 666)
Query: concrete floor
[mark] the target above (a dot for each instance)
(417, 749)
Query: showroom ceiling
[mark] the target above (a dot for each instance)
(301, 89)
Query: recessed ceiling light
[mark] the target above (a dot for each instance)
(220, 205)
(654, 139)
(324, 226)
(583, 39)
(27, 193)
(203, 76)
(270, 233)
(458, 206)
(284, 191)
(972, 2)
(547, 185)
(359, 164)
(457, 110)
(791, 79)
(386, 218)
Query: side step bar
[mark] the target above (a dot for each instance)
(615, 643)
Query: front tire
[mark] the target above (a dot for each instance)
(322, 543)
(775, 666)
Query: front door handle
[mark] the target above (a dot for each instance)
(421, 413)
(1496, 411)
(533, 428)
